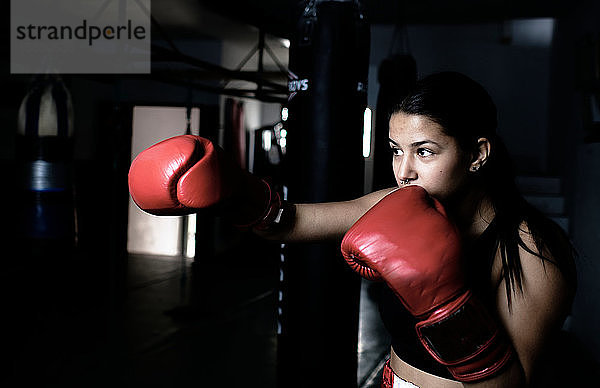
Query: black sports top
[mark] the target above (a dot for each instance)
(401, 324)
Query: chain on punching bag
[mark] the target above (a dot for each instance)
(319, 298)
(44, 155)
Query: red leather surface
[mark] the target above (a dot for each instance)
(408, 240)
(176, 176)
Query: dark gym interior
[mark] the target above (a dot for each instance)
(93, 295)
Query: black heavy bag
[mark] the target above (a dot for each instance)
(319, 298)
(397, 75)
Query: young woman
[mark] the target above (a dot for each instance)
(518, 263)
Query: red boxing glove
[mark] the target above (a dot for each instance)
(186, 173)
(407, 240)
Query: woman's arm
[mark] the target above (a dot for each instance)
(535, 315)
(324, 221)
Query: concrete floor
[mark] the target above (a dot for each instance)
(159, 333)
(65, 325)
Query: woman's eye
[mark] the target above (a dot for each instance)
(396, 151)
(423, 152)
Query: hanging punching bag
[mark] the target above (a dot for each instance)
(44, 154)
(397, 75)
(319, 296)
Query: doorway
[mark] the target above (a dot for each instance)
(148, 234)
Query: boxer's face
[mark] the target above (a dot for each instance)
(426, 156)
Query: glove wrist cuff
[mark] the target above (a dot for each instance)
(276, 214)
(463, 336)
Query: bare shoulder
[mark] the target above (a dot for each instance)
(539, 307)
(539, 264)
(540, 273)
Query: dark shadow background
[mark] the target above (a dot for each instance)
(91, 314)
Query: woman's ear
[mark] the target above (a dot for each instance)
(481, 154)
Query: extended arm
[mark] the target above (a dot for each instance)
(185, 173)
(323, 221)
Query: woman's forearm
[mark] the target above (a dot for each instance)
(322, 221)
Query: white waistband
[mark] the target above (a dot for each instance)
(400, 383)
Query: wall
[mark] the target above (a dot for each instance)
(513, 69)
(578, 163)
(90, 93)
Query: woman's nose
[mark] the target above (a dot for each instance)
(405, 170)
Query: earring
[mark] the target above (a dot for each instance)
(475, 168)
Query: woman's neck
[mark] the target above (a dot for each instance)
(472, 211)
